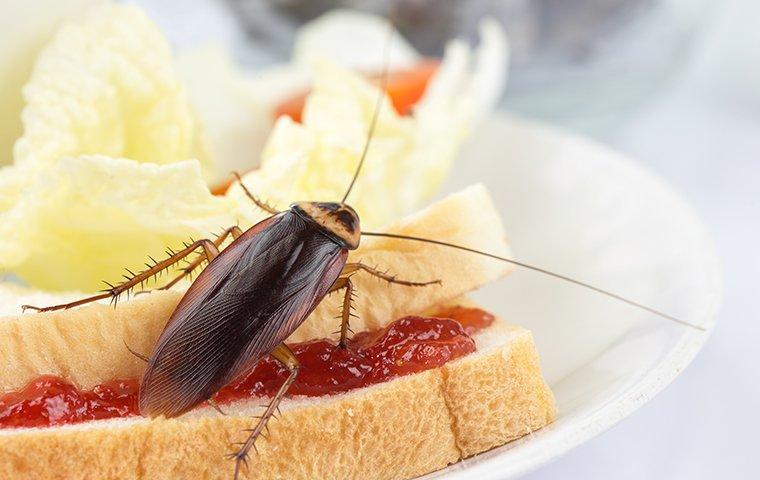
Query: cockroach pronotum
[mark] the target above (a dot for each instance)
(255, 292)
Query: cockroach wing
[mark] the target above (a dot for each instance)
(246, 302)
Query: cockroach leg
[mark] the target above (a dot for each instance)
(346, 314)
(234, 231)
(113, 292)
(259, 203)
(344, 281)
(216, 406)
(142, 357)
(284, 355)
(350, 268)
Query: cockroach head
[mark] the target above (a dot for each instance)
(337, 220)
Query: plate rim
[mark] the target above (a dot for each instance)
(652, 381)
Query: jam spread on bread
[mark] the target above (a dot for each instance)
(472, 319)
(51, 400)
(409, 345)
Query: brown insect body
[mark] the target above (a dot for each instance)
(251, 297)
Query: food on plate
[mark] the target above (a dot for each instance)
(411, 154)
(404, 87)
(120, 158)
(103, 168)
(106, 214)
(105, 84)
(452, 380)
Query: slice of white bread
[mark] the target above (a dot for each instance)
(86, 345)
(399, 429)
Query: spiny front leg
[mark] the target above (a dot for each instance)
(285, 356)
(259, 203)
(350, 268)
(344, 281)
(234, 231)
(346, 314)
(209, 249)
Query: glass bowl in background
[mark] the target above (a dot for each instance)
(575, 62)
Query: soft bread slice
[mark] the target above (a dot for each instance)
(399, 429)
(86, 345)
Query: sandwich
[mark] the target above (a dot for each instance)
(427, 379)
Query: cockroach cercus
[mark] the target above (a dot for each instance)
(255, 292)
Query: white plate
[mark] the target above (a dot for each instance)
(581, 209)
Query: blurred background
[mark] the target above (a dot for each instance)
(573, 61)
(580, 62)
(673, 83)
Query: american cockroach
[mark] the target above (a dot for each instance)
(255, 292)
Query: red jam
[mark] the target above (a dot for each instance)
(472, 319)
(50, 400)
(408, 345)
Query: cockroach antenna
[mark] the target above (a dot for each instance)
(378, 106)
(370, 134)
(543, 271)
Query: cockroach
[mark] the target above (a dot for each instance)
(255, 292)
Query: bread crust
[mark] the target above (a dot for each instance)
(396, 430)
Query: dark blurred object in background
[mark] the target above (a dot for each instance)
(574, 61)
